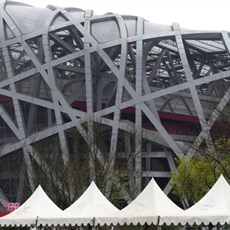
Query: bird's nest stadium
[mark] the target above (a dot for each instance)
(63, 69)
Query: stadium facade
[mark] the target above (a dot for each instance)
(62, 69)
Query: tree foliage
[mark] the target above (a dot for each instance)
(195, 176)
(65, 182)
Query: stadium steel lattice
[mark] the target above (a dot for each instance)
(60, 68)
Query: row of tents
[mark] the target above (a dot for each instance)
(152, 206)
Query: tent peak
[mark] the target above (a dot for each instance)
(222, 180)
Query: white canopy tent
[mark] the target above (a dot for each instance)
(213, 208)
(38, 205)
(92, 204)
(147, 208)
(152, 206)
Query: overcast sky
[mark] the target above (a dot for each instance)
(191, 14)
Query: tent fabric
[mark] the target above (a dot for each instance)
(91, 205)
(151, 204)
(38, 205)
(213, 208)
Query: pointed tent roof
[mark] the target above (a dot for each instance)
(146, 208)
(213, 208)
(38, 205)
(91, 204)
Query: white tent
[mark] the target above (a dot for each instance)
(92, 204)
(148, 207)
(213, 208)
(38, 205)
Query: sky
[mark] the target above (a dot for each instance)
(190, 14)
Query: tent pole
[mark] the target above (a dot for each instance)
(94, 227)
(36, 223)
(158, 222)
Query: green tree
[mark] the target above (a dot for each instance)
(196, 175)
(193, 178)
